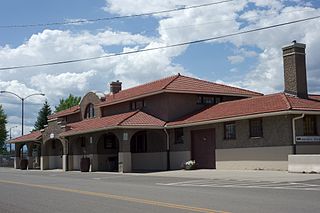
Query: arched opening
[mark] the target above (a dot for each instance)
(89, 113)
(54, 152)
(35, 155)
(79, 148)
(108, 149)
(148, 151)
(23, 151)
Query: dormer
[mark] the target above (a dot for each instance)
(88, 105)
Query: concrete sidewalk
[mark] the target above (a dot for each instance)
(252, 175)
(237, 175)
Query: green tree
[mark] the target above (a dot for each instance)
(42, 116)
(3, 131)
(68, 102)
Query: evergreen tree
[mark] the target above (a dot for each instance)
(3, 131)
(42, 116)
(68, 102)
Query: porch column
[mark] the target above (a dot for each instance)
(44, 160)
(17, 156)
(30, 157)
(65, 163)
(65, 154)
(124, 163)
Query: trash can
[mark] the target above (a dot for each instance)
(84, 164)
(23, 164)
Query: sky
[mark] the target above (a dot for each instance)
(252, 61)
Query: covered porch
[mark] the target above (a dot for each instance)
(120, 143)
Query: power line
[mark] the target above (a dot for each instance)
(116, 17)
(225, 20)
(161, 47)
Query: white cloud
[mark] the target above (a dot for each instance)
(265, 75)
(235, 59)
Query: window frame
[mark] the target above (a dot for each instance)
(178, 136)
(310, 125)
(232, 135)
(256, 128)
(89, 112)
(133, 104)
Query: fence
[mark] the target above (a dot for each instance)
(6, 161)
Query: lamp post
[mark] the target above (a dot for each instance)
(10, 136)
(22, 103)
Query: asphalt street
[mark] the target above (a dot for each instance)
(55, 191)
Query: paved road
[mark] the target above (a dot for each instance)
(36, 191)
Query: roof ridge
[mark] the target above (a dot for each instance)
(147, 83)
(284, 96)
(177, 76)
(134, 113)
(220, 84)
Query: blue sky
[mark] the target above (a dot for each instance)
(252, 61)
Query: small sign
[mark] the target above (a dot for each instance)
(91, 140)
(308, 138)
(51, 135)
(125, 136)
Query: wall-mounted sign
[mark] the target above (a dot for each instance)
(125, 136)
(51, 135)
(91, 140)
(307, 138)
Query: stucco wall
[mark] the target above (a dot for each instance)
(150, 161)
(276, 132)
(255, 158)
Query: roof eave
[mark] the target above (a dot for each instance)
(113, 127)
(177, 91)
(258, 115)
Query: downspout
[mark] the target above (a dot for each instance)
(168, 148)
(294, 143)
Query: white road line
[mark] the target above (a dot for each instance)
(245, 184)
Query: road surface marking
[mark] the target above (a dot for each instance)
(118, 197)
(215, 183)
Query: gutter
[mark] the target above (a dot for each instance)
(294, 143)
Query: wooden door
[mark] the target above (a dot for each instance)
(203, 148)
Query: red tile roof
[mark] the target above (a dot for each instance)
(179, 84)
(129, 119)
(250, 106)
(143, 119)
(33, 136)
(69, 111)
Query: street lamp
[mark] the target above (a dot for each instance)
(10, 137)
(22, 103)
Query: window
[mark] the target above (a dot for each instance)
(109, 141)
(89, 111)
(178, 134)
(139, 142)
(137, 104)
(83, 142)
(207, 100)
(309, 125)
(230, 131)
(256, 128)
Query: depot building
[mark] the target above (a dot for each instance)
(162, 124)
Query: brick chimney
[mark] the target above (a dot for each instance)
(115, 87)
(295, 75)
